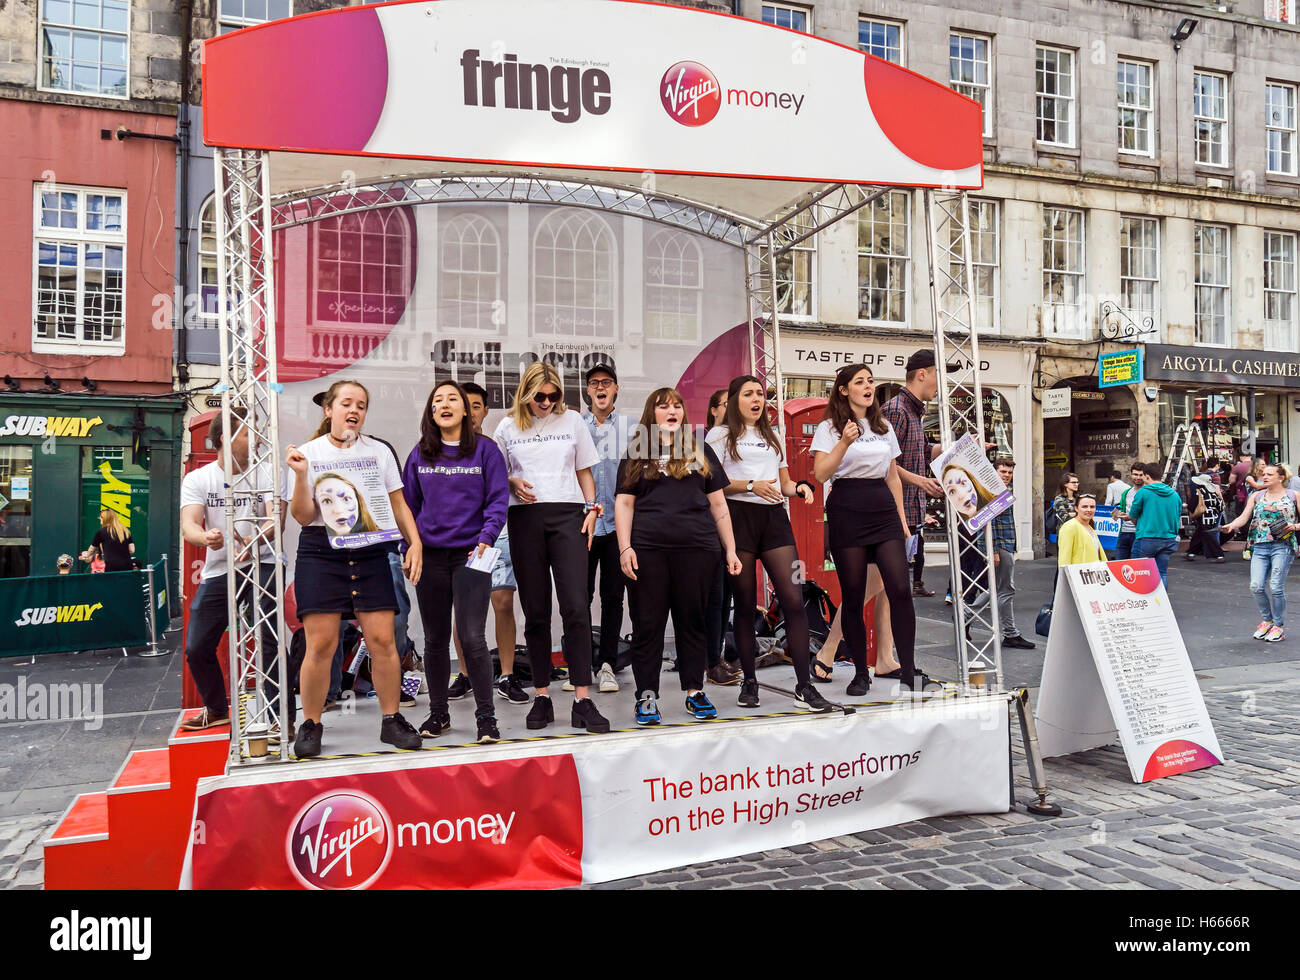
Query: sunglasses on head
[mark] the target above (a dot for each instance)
(542, 398)
(1088, 496)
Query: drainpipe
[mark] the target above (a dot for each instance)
(183, 238)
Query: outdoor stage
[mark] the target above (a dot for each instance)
(564, 808)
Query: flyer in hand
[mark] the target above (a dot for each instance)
(971, 484)
(353, 503)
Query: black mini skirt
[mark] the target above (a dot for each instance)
(862, 512)
(759, 527)
(339, 580)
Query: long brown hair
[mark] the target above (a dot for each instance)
(736, 425)
(431, 444)
(644, 449)
(715, 400)
(328, 400)
(535, 377)
(838, 410)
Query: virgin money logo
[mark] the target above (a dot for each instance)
(1140, 575)
(690, 93)
(1130, 576)
(340, 840)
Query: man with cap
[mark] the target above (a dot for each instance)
(609, 430)
(904, 412)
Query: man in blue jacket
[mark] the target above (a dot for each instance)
(1157, 509)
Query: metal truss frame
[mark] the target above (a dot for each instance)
(249, 399)
(961, 410)
(247, 217)
(334, 200)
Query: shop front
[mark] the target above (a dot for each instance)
(1099, 436)
(1241, 400)
(809, 362)
(63, 458)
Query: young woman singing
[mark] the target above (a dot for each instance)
(670, 516)
(455, 483)
(856, 447)
(549, 455)
(759, 482)
(342, 568)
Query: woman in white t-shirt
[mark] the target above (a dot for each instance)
(553, 512)
(751, 453)
(856, 448)
(347, 495)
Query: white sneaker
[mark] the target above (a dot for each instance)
(568, 686)
(606, 679)
(1262, 632)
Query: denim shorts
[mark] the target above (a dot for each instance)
(329, 580)
(503, 572)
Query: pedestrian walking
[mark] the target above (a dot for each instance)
(1004, 565)
(1205, 508)
(1156, 510)
(1273, 518)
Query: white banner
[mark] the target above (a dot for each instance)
(1116, 666)
(714, 793)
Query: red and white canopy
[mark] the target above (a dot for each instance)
(737, 115)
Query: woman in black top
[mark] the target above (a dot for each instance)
(670, 516)
(112, 542)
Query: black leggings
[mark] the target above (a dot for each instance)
(783, 570)
(447, 582)
(851, 567)
(546, 540)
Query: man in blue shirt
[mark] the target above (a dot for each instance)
(609, 430)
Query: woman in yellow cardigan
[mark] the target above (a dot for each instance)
(1077, 542)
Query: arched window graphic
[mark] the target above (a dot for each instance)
(469, 274)
(574, 258)
(208, 258)
(362, 267)
(674, 281)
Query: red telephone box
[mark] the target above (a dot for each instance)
(802, 415)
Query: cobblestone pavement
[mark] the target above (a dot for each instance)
(1231, 826)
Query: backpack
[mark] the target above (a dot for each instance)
(1051, 522)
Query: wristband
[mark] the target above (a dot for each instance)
(591, 505)
(805, 483)
(624, 551)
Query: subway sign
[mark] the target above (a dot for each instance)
(40, 426)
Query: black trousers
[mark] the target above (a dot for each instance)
(1205, 541)
(546, 540)
(447, 582)
(208, 622)
(604, 556)
(672, 583)
(717, 613)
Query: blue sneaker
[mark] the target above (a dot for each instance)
(647, 710)
(700, 706)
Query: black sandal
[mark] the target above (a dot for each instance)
(819, 672)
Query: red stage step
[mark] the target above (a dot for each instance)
(134, 834)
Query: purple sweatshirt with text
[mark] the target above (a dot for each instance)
(457, 502)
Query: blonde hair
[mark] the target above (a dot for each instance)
(537, 376)
(113, 523)
(364, 521)
(982, 493)
(1283, 471)
(328, 400)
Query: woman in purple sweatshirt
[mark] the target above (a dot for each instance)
(455, 483)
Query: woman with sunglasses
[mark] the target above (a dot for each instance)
(866, 524)
(553, 511)
(752, 455)
(670, 516)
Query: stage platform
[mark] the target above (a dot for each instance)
(352, 730)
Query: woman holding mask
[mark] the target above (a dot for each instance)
(754, 460)
(856, 447)
(670, 516)
(549, 454)
(344, 572)
(455, 483)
